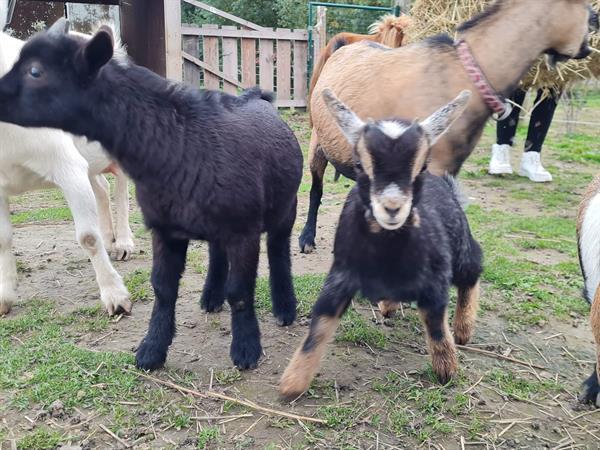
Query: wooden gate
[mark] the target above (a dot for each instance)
(246, 55)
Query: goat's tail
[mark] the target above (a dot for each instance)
(391, 30)
(257, 93)
(461, 198)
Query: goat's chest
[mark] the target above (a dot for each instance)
(399, 268)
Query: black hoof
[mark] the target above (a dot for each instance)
(285, 318)
(590, 391)
(245, 354)
(149, 356)
(212, 301)
(307, 242)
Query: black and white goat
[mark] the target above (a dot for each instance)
(206, 165)
(402, 236)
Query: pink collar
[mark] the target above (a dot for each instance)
(501, 107)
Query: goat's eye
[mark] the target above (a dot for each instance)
(35, 72)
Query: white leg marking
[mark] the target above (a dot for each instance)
(590, 246)
(8, 265)
(124, 246)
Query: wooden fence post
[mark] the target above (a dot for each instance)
(320, 33)
(174, 58)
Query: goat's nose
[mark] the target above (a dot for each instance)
(392, 211)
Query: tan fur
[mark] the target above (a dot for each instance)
(467, 305)
(388, 308)
(374, 226)
(590, 192)
(366, 159)
(304, 365)
(420, 159)
(389, 31)
(416, 218)
(443, 353)
(595, 322)
(414, 80)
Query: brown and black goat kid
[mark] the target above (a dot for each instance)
(207, 166)
(402, 236)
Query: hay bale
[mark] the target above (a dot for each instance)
(442, 16)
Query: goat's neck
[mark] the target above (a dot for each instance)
(506, 46)
(136, 119)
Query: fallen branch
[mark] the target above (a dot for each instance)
(496, 355)
(216, 395)
(114, 436)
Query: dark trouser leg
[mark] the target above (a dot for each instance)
(213, 294)
(333, 300)
(167, 267)
(243, 257)
(507, 128)
(280, 268)
(541, 119)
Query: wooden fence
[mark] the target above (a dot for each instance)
(232, 58)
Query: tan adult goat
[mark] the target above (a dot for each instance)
(411, 81)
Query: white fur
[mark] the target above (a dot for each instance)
(392, 129)
(391, 197)
(42, 158)
(3, 13)
(589, 241)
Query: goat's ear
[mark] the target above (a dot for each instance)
(441, 120)
(349, 123)
(98, 50)
(60, 27)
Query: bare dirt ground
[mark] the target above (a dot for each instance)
(371, 396)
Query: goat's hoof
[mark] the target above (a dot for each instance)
(307, 244)
(591, 391)
(388, 308)
(122, 250)
(293, 386)
(5, 308)
(149, 356)
(116, 301)
(246, 355)
(462, 338)
(285, 318)
(211, 302)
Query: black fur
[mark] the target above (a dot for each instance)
(207, 165)
(440, 40)
(591, 390)
(338, 43)
(417, 262)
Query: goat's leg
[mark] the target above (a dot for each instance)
(123, 246)
(280, 267)
(467, 305)
(213, 294)
(8, 265)
(591, 387)
(318, 164)
(167, 267)
(101, 190)
(80, 197)
(333, 301)
(245, 345)
(388, 308)
(439, 340)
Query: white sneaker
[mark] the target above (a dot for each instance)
(531, 167)
(500, 162)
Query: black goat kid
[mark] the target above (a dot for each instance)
(402, 236)
(206, 165)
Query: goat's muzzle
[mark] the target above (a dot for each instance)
(584, 51)
(391, 207)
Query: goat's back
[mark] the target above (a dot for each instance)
(408, 82)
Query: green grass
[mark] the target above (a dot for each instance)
(360, 331)
(53, 214)
(207, 437)
(138, 285)
(307, 288)
(40, 438)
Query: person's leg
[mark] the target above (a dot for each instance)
(541, 119)
(505, 135)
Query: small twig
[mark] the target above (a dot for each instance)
(553, 336)
(212, 373)
(587, 413)
(103, 337)
(114, 436)
(238, 416)
(496, 355)
(509, 426)
(252, 426)
(219, 396)
(462, 442)
(538, 350)
(473, 386)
